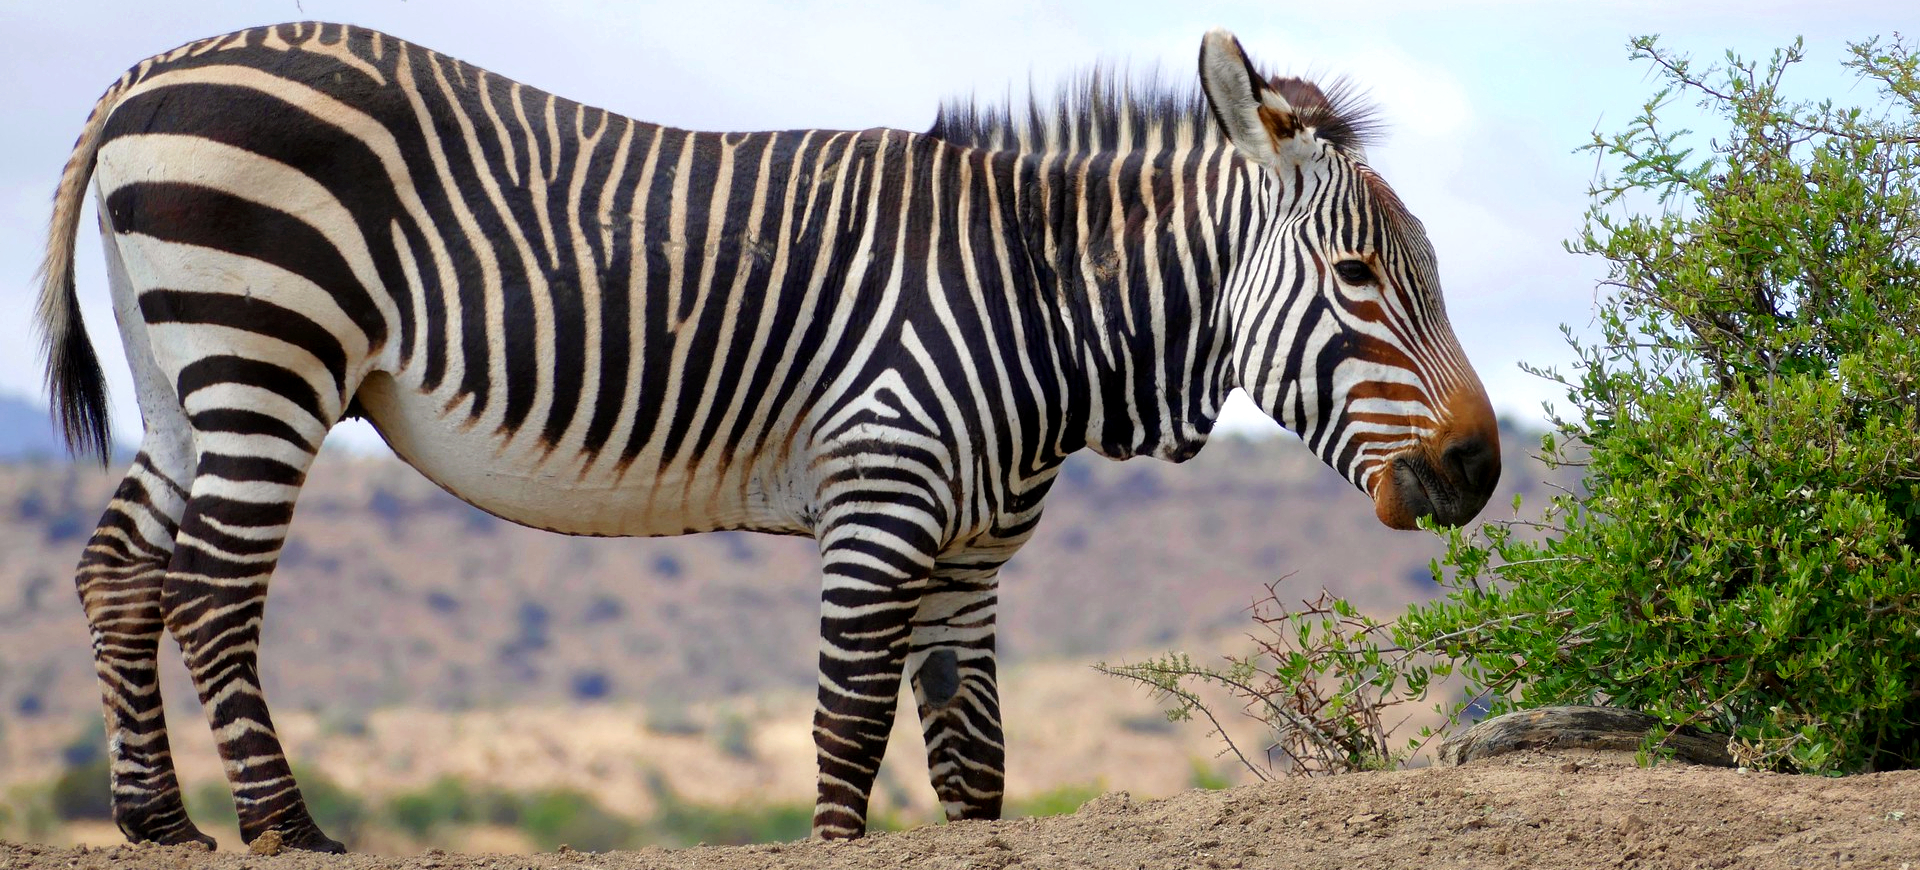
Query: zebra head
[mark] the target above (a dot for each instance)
(1333, 309)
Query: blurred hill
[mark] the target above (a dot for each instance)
(26, 433)
(392, 593)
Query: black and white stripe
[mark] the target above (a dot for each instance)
(578, 321)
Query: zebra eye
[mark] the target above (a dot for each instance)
(1354, 271)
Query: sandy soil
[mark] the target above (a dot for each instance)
(1558, 811)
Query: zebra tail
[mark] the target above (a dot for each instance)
(74, 381)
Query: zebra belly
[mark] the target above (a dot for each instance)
(561, 489)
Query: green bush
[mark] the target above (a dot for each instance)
(450, 802)
(1207, 776)
(560, 816)
(1743, 556)
(337, 811)
(549, 818)
(84, 791)
(1058, 802)
(734, 737)
(26, 813)
(1322, 678)
(563, 816)
(678, 823)
(210, 805)
(421, 813)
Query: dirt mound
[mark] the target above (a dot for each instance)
(1555, 811)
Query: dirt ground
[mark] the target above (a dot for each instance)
(1551, 811)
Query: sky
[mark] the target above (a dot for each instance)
(1486, 104)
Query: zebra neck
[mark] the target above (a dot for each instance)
(1128, 249)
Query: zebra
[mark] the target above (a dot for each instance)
(585, 323)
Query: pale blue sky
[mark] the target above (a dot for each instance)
(1485, 101)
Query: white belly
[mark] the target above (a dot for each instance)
(564, 490)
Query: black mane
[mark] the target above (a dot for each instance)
(1106, 109)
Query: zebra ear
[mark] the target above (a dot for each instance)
(1255, 118)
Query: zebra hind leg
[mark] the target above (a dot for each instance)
(119, 580)
(236, 520)
(958, 697)
(869, 593)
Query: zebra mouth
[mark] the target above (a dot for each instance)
(1412, 489)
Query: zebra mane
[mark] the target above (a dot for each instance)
(1107, 109)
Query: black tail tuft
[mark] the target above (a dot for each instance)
(79, 392)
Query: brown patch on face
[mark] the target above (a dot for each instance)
(1451, 474)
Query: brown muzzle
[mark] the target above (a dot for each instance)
(1449, 476)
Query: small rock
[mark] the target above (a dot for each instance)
(268, 843)
(1570, 767)
(1361, 820)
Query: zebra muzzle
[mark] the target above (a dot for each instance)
(1413, 487)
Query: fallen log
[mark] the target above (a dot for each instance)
(1611, 728)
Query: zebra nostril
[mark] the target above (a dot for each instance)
(1473, 464)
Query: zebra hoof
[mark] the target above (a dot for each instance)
(165, 827)
(189, 837)
(305, 837)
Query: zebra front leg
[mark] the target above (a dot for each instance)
(215, 596)
(952, 663)
(872, 578)
(119, 580)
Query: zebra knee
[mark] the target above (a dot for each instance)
(938, 678)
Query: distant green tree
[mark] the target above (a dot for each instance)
(82, 791)
(1059, 801)
(566, 817)
(1743, 555)
(678, 822)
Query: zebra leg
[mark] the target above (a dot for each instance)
(869, 592)
(215, 596)
(119, 580)
(952, 663)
